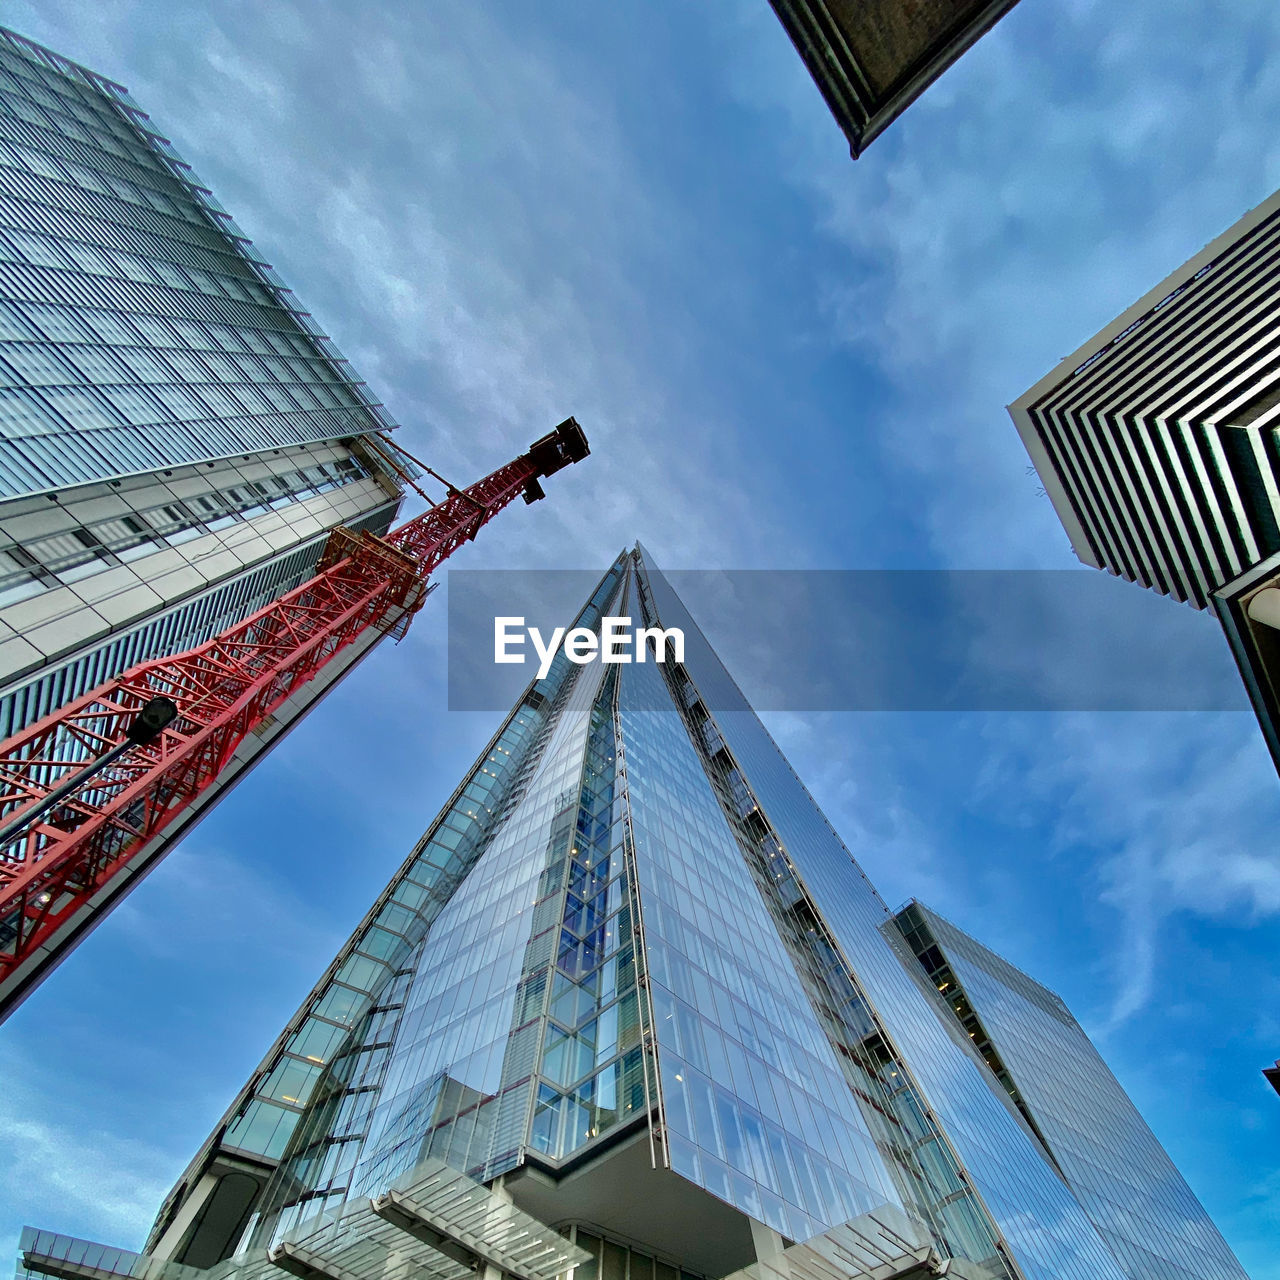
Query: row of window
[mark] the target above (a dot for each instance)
(66, 142)
(40, 250)
(178, 629)
(92, 204)
(76, 288)
(106, 143)
(40, 462)
(32, 67)
(52, 410)
(71, 106)
(79, 112)
(39, 321)
(43, 365)
(611, 1261)
(67, 556)
(19, 210)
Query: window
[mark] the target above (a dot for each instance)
(156, 331)
(38, 366)
(82, 407)
(87, 258)
(170, 275)
(136, 405)
(21, 575)
(59, 324)
(37, 250)
(214, 510)
(135, 269)
(181, 402)
(71, 556)
(128, 537)
(13, 324)
(110, 328)
(99, 366)
(147, 367)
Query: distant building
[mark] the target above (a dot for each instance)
(629, 1010)
(1157, 444)
(873, 58)
(176, 436)
(1119, 1172)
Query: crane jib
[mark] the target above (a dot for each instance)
(65, 856)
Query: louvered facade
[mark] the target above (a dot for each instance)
(1157, 440)
(177, 437)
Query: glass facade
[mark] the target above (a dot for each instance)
(422, 1037)
(1117, 1168)
(138, 330)
(755, 1106)
(1038, 1221)
(632, 930)
(163, 398)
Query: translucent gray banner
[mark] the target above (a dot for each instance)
(883, 640)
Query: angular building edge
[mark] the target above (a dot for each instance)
(1253, 641)
(177, 438)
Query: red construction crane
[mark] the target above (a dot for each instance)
(86, 790)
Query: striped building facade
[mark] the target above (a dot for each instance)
(1156, 442)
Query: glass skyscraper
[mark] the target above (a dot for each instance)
(631, 1009)
(176, 436)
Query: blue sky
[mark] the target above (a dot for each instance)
(640, 213)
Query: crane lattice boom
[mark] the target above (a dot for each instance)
(223, 689)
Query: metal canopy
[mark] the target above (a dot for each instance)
(492, 1228)
(432, 1224)
(882, 1245)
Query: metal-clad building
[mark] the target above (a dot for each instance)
(176, 436)
(1156, 442)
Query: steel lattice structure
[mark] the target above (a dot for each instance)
(224, 690)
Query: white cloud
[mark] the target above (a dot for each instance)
(1060, 170)
(65, 1171)
(1174, 813)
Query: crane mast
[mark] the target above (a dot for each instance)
(68, 855)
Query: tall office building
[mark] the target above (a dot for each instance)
(1156, 442)
(871, 59)
(1119, 1172)
(631, 1009)
(176, 436)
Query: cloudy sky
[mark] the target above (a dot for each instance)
(640, 213)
